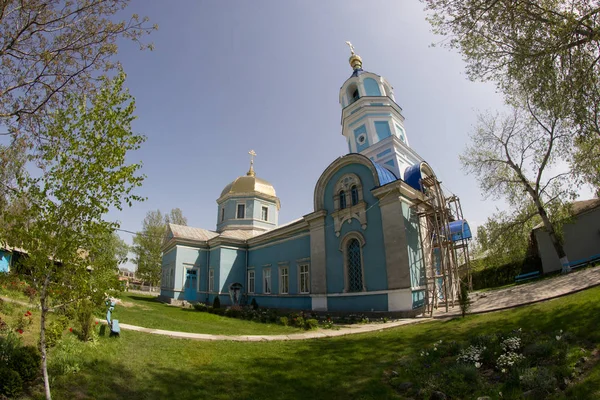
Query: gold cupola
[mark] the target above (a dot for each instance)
(249, 183)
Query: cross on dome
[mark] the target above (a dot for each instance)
(251, 170)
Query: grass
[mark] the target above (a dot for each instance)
(146, 311)
(143, 366)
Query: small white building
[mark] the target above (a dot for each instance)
(581, 237)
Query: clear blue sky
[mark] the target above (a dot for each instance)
(229, 76)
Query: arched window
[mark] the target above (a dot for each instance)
(354, 193)
(354, 263)
(342, 200)
(355, 96)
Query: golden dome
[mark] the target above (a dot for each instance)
(249, 184)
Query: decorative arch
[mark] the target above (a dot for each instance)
(351, 246)
(353, 158)
(352, 93)
(345, 185)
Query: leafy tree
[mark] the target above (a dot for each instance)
(514, 158)
(147, 243)
(51, 48)
(82, 174)
(176, 217)
(549, 49)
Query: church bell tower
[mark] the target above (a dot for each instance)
(372, 122)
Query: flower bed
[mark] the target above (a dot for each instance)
(502, 366)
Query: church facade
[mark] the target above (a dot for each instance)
(360, 250)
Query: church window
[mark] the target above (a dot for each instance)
(355, 95)
(265, 213)
(284, 280)
(250, 281)
(222, 214)
(304, 279)
(211, 280)
(241, 211)
(342, 200)
(267, 280)
(354, 195)
(354, 263)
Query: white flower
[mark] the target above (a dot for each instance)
(435, 349)
(477, 365)
(558, 337)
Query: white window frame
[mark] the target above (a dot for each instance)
(284, 279)
(267, 285)
(264, 213)
(300, 280)
(237, 211)
(211, 280)
(251, 281)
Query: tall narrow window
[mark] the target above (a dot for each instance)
(250, 281)
(241, 211)
(342, 200)
(355, 278)
(267, 280)
(354, 193)
(211, 280)
(284, 280)
(304, 279)
(265, 213)
(222, 214)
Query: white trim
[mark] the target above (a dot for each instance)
(299, 268)
(211, 279)
(253, 281)
(400, 300)
(264, 281)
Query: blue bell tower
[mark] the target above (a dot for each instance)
(372, 121)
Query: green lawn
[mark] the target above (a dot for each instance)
(146, 311)
(144, 366)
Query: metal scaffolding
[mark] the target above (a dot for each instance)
(441, 249)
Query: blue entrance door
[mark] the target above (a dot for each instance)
(191, 285)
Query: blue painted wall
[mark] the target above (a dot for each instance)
(383, 129)
(292, 302)
(232, 269)
(373, 251)
(253, 213)
(287, 252)
(375, 302)
(401, 133)
(5, 261)
(168, 260)
(357, 132)
(371, 87)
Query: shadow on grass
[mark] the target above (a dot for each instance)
(337, 368)
(145, 299)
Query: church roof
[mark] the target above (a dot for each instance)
(242, 234)
(385, 175)
(249, 184)
(188, 232)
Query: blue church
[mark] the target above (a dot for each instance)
(365, 247)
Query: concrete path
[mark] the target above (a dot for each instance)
(321, 333)
(520, 295)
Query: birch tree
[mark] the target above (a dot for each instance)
(81, 174)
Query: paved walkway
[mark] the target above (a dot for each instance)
(488, 301)
(520, 295)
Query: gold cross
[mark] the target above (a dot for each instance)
(252, 155)
(351, 47)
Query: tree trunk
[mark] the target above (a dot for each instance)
(43, 303)
(560, 251)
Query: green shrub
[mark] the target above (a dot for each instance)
(54, 332)
(233, 312)
(463, 299)
(26, 361)
(67, 357)
(200, 307)
(8, 346)
(254, 304)
(311, 324)
(504, 274)
(298, 322)
(30, 292)
(85, 319)
(11, 383)
(540, 380)
(216, 303)
(284, 321)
